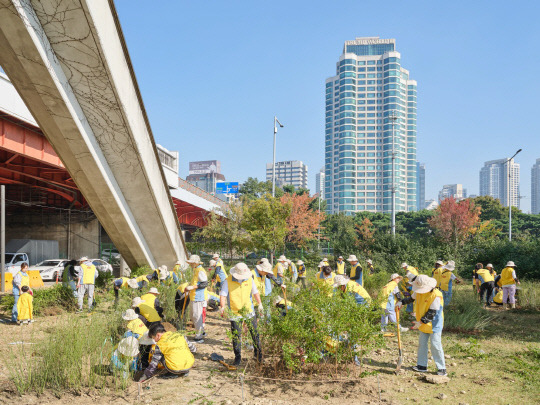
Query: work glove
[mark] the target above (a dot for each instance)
(416, 324)
(261, 310)
(189, 287)
(399, 304)
(283, 286)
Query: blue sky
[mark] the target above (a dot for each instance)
(214, 73)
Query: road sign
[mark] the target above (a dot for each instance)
(227, 188)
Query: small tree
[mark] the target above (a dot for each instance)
(265, 220)
(366, 235)
(454, 221)
(303, 223)
(339, 230)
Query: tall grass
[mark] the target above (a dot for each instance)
(72, 358)
(465, 313)
(529, 295)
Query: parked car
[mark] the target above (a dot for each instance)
(49, 269)
(14, 261)
(110, 255)
(102, 265)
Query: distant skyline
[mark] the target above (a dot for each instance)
(213, 75)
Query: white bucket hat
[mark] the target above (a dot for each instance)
(194, 259)
(352, 258)
(404, 265)
(282, 258)
(153, 290)
(215, 256)
(83, 259)
(145, 340)
(423, 284)
(212, 263)
(129, 346)
(325, 259)
(136, 302)
(241, 272)
(163, 274)
(340, 280)
(299, 262)
(369, 261)
(277, 299)
(451, 265)
(133, 283)
(179, 262)
(340, 257)
(489, 265)
(265, 267)
(439, 262)
(263, 260)
(321, 264)
(162, 268)
(394, 276)
(129, 315)
(510, 264)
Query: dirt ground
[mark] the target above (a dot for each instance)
(481, 370)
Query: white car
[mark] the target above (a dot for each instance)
(110, 255)
(102, 265)
(49, 269)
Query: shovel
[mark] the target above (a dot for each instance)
(400, 358)
(221, 360)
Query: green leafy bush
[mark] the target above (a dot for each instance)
(59, 296)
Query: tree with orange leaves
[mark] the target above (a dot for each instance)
(303, 222)
(454, 221)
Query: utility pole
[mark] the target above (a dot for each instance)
(393, 117)
(509, 165)
(276, 122)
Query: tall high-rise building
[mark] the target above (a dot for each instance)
(453, 190)
(290, 172)
(319, 183)
(420, 186)
(370, 112)
(500, 179)
(535, 188)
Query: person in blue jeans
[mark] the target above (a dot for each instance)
(19, 280)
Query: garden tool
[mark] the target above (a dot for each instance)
(400, 358)
(221, 360)
(184, 306)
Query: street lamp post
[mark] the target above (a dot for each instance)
(276, 122)
(393, 117)
(509, 164)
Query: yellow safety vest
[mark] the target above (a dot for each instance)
(436, 274)
(149, 299)
(301, 271)
(353, 271)
(385, 293)
(25, 307)
(329, 279)
(182, 287)
(25, 279)
(277, 267)
(340, 268)
(413, 270)
(445, 277)
(175, 351)
(89, 273)
(422, 303)
(239, 294)
(354, 287)
(142, 278)
(259, 282)
(506, 276)
(124, 281)
(486, 275)
(195, 280)
(498, 297)
(149, 312)
(137, 326)
(282, 302)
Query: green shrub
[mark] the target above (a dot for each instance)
(58, 296)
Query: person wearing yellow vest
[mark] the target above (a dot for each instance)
(370, 266)
(508, 282)
(340, 266)
(476, 282)
(172, 352)
(264, 277)
(151, 298)
(292, 271)
(388, 297)
(137, 328)
(447, 278)
(428, 306)
(436, 271)
(487, 283)
(197, 296)
(146, 312)
(119, 283)
(343, 284)
(405, 285)
(25, 307)
(279, 268)
(237, 293)
(178, 273)
(218, 260)
(19, 280)
(498, 298)
(302, 273)
(326, 277)
(356, 273)
(87, 274)
(218, 276)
